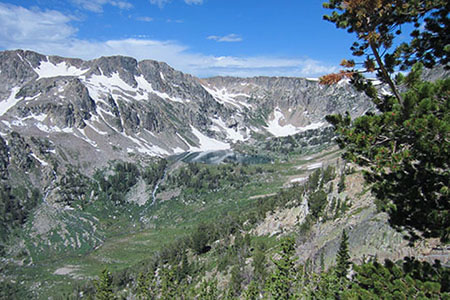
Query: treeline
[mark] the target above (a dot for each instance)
(15, 207)
(300, 142)
(178, 269)
(200, 177)
(113, 185)
(280, 277)
(113, 188)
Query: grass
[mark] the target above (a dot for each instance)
(128, 241)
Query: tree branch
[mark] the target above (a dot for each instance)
(385, 73)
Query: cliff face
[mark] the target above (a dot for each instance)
(117, 106)
(62, 118)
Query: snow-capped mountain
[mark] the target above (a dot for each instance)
(115, 107)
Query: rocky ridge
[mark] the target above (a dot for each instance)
(117, 106)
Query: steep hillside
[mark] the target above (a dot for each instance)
(117, 106)
(124, 164)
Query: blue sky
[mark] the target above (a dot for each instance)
(201, 37)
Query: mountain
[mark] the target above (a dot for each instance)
(99, 157)
(113, 107)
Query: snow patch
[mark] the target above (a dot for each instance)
(95, 128)
(278, 130)
(86, 138)
(207, 143)
(145, 86)
(6, 123)
(144, 147)
(42, 162)
(299, 179)
(99, 86)
(314, 166)
(52, 129)
(18, 122)
(47, 69)
(233, 134)
(178, 150)
(223, 96)
(10, 102)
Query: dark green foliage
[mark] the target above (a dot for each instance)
(201, 178)
(114, 187)
(236, 280)
(409, 280)
(259, 263)
(143, 289)
(343, 257)
(73, 186)
(407, 155)
(15, 206)
(405, 147)
(317, 202)
(200, 239)
(103, 287)
(168, 284)
(326, 285)
(9, 290)
(328, 174)
(209, 290)
(281, 281)
(185, 268)
(298, 143)
(153, 173)
(378, 22)
(430, 41)
(252, 291)
(341, 184)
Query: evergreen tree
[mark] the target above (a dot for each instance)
(252, 291)
(236, 280)
(209, 290)
(404, 148)
(281, 281)
(259, 263)
(143, 287)
(168, 283)
(185, 267)
(103, 286)
(343, 257)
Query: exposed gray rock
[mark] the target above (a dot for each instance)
(149, 108)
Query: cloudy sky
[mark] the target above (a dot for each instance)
(201, 37)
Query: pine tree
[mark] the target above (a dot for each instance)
(185, 267)
(209, 290)
(404, 147)
(343, 257)
(252, 291)
(236, 280)
(103, 286)
(143, 287)
(168, 283)
(259, 263)
(281, 281)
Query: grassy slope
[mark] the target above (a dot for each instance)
(128, 241)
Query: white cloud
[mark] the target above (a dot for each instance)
(144, 19)
(194, 1)
(174, 21)
(50, 32)
(23, 27)
(97, 5)
(161, 3)
(226, 38)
